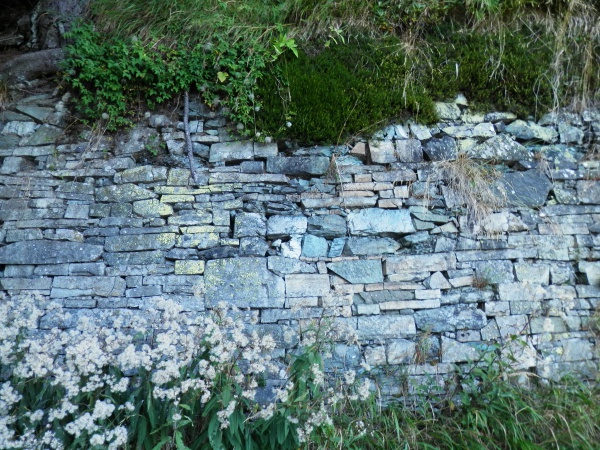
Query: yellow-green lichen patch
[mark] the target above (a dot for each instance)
(189, 267)
(152, 208)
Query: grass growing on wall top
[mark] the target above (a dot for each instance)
(363, 62)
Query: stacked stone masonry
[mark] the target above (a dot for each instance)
(365, 234)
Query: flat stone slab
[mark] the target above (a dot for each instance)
(298, 165)
(361, 271)
(243, 282)
(160, 241)
(306, 285)
(528, 131)
(280, 226)
(370, 246)
(500, 148)
(49, 252)
(231, 151)
(378, 221)
(123, 193)
(525, 189)
(443, 149)
(383, 327)
(87, 286)
(44, 135)
(419, 263)
(328, 226)
(450, 318)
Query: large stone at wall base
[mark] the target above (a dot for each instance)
(243, 282)
(525, 189)
(451, 318)
(378, 221)
(49, 252)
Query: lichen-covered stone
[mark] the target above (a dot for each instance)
(63, 287)
(384, 327)
(152, 208)
(280, 226)
(159, 241)
(298, 165)
(360, 271)
(123, 193)
(49, 252)
(243, 282)
(378, 221)
(306, 285)
(451, 318)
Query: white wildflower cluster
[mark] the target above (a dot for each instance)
(180, 359)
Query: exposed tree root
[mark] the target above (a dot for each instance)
(188, 138)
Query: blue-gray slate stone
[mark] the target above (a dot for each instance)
(441, 149)
(525, 189)
(378, 221)
(314, 246)
(450, 318)
(298, 165)
(49, 252)
(370, 246)
(243, 282)
(359, 271)
(329, 226)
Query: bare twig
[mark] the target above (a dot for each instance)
(188, 139)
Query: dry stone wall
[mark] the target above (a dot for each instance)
(368, 235)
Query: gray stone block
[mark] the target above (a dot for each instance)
(160, 241)
(500, 148)
(123, 193)
(243, 282)
(385, 327)
(378, 221)
(231, 151)
(134, 258)
(360, 271)
(280, 226)
(418, 263)
(588, 191)
(298, 165)
(328, 226)
(49, 252)
(529, 131)
(306, 285)
(314, 246)
(444, 149)
(525, 189)
(63, 287)
(283, 266)
(409, 151)
(370, 246)
(382, 152)
(249, 225)
(451, 318)
(401, 351)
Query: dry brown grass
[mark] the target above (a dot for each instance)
(473, 186)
